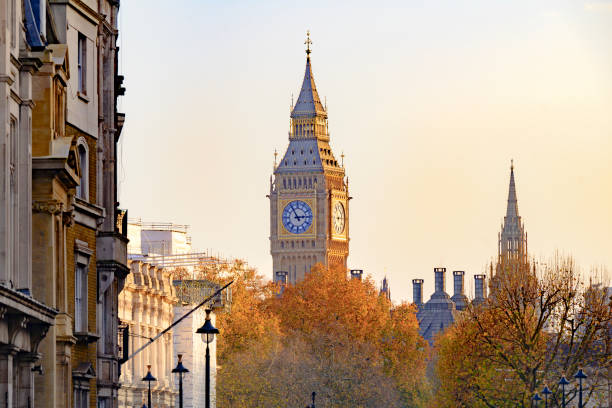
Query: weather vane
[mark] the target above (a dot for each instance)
(308, 42)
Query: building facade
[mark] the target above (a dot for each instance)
(80, 256)
(167, 247)
(309, 196)
(25, 317)
(146, 306)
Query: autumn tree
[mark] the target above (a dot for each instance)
(246, 320)
(335, 336)
(537, 325)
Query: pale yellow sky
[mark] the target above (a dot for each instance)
(429, 101)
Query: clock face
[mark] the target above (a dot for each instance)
(297, 217)
(338, 218)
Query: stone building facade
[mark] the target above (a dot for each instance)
(80, 257)
(25, 318)
(309, 197)
(146, 306)
(167, 247)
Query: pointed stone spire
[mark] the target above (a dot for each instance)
(512, 210)
(308, 103)
(513, 238)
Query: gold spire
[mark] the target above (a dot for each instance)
(308, 43)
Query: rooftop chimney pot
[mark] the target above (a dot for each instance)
(417, 291)
(440, 279)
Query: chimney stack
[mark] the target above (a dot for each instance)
(417, 292)
(356, 273)
(479, 288)
(440, 279)
(458, 277)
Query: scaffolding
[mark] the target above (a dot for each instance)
(192, 259)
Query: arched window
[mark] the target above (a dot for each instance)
(82, 191)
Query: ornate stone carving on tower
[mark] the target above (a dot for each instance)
(512, 240)
(308, 193)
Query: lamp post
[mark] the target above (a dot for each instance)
(537, 399)
(546, 391)
(180, 369)
(148, 378)
(580, 376)
(208, 332)
(563, 382)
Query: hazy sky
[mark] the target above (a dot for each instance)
(428, 100)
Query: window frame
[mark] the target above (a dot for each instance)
(82, 190)
(81, 283)
(13, 194)
(82, 63)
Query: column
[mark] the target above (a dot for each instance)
(24, 387)
(7, 354)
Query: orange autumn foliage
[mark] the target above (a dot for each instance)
(327, 333)
(538, 325)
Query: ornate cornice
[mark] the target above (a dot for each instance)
(53, 207)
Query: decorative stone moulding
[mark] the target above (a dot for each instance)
(52, 207)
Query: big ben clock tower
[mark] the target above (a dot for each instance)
(309, 211)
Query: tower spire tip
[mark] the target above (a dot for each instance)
(308, 43)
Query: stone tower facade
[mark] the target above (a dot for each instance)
(309, 211)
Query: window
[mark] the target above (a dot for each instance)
(83, 188)
(82, 64)
(80, 298)
(13, 208)
(81, 398)
(81, 270)
(82, 374)
(59, 116)
(13, 20)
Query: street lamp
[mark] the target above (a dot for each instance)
(546, 391)
(208, 332)
(563, 382)
(180, 369)
(148, 378)
(580, 376)
(537, 399)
